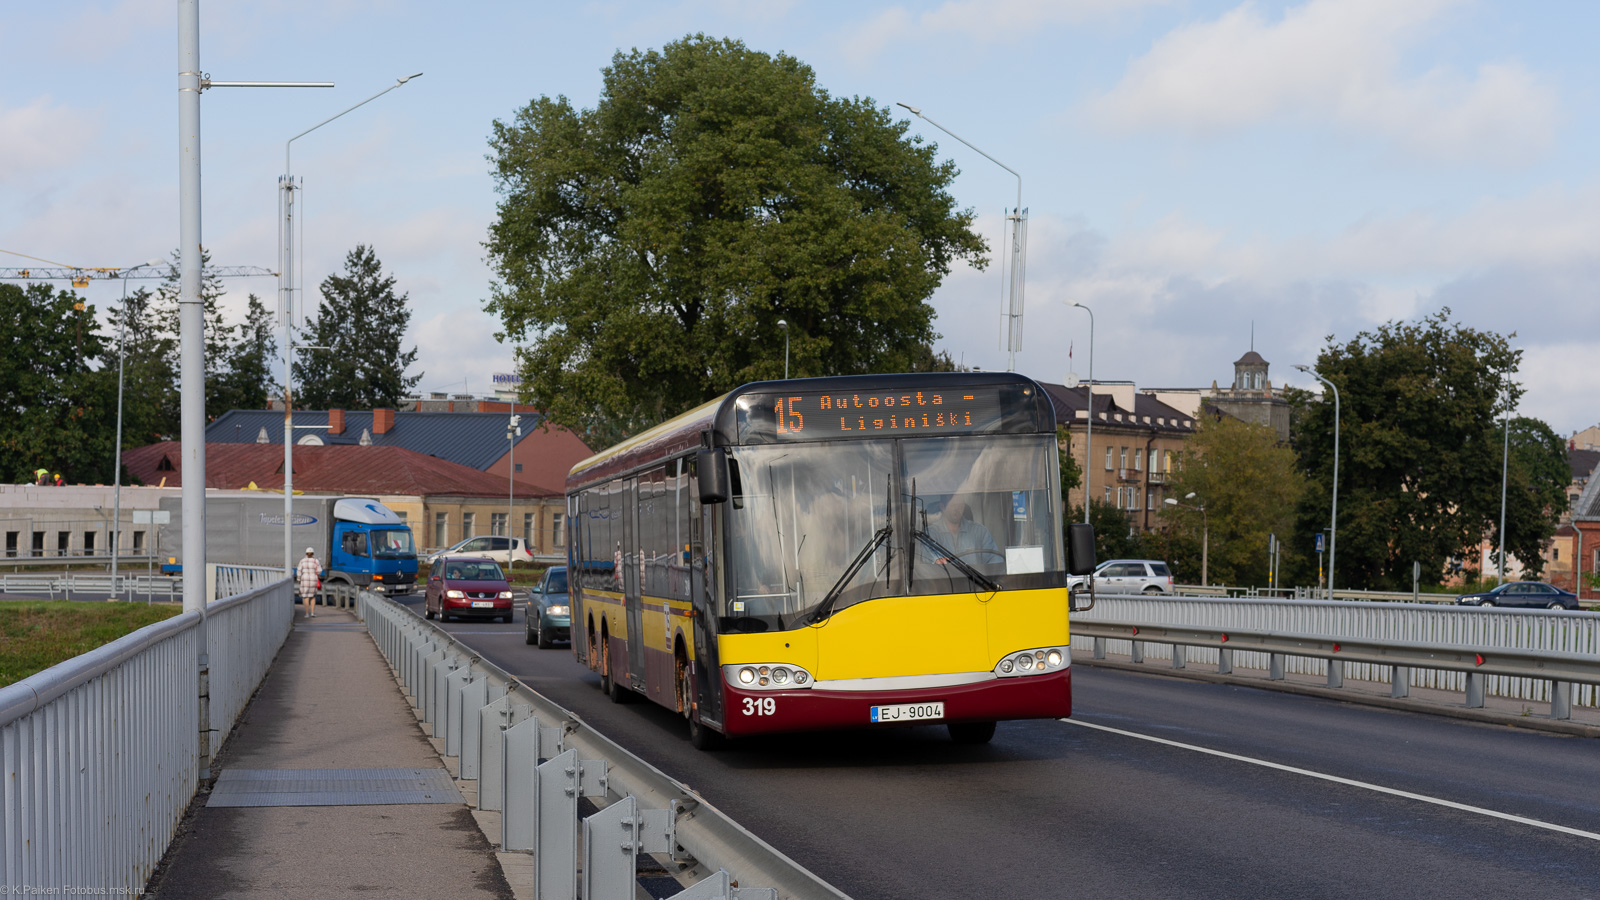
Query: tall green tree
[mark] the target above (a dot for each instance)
(1250, 485)
(646, 249)
(57, 400)
(1421, 448)
(150, 401)
(220, 335)
(1071, 472)
(1536, 480)
(363, 321)
(246, 381)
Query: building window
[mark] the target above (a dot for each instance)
(11, 542)
(466, 525)
(138, 542)
(400, 514)
(1155, 460)
(1138, 460)
(1122, 461)
(1108, 468)
(497, 524)
(441, 529)
(529, 537)
(517, 466)
(1108, 493)
(1149, 499)
(63, 543)
(88, 543)
(558, 539)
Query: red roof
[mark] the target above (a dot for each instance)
(337, 469)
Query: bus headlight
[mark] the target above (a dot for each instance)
(1032, 662)
(767, 676)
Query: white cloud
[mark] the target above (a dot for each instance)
(983, 20)
(42, 136)
(1338, 61)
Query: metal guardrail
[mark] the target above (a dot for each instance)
(100, 754)
(1403, 644)
(56, 559)
(131, 587)
(533, 760)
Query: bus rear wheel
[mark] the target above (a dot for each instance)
(971, 732)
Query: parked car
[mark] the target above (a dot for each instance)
(468, 587)
(1129, 576)
(549, 614)
(1535, 594)
(499, 549)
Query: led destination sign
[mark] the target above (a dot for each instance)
(816, 415)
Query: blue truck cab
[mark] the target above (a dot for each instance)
(372, 548)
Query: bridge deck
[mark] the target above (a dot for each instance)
(330, 702)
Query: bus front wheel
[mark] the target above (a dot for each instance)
(971, 732)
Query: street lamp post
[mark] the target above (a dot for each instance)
(1088, 439)
(1205, 538)
(1019, 240)
(1333, 529)
(782, 323)
(513, 431)
(1505, 459)
(286, 274)
(116, 459)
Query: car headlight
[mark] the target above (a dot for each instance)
(505, 595)
(559, 610)
(769, 676)
(1042, 661)
(454, 595)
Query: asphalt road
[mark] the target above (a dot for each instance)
(1059, 809)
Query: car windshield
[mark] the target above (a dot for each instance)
(473, 570)
(815, 528)
(556, 582)
(393, 543)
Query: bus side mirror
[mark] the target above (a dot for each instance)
(1080, 548)
(711, 464)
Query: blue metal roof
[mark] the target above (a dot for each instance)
(476, 439)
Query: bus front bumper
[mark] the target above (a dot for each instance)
(772, 712)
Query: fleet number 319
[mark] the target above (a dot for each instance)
(760, 706)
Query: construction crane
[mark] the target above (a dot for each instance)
(81, 275)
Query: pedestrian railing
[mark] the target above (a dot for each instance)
(101, 754)
(1525, 654)
(534, 761)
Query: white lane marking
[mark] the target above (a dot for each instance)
(1549, 826)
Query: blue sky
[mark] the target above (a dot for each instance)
(1314, 167)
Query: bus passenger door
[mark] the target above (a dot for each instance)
(632, 578)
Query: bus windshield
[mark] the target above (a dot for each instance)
(815, 528)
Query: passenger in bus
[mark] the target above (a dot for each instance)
(956, 530)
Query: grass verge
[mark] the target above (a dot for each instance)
(37, 634)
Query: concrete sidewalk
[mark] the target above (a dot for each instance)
(330, 702)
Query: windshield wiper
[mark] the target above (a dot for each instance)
(961, 564)
(825, 608)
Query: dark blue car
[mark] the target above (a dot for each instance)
(549, 617)
(1531, 594)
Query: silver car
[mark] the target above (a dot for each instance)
(1129, 576)
(500, 549)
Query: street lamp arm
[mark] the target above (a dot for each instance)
(302, 134)
(918, 113)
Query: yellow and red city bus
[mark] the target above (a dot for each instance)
(828, 553)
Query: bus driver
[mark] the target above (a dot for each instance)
(959, 533)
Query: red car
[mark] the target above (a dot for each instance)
(468, 587)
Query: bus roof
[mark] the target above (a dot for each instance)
(683, 434)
